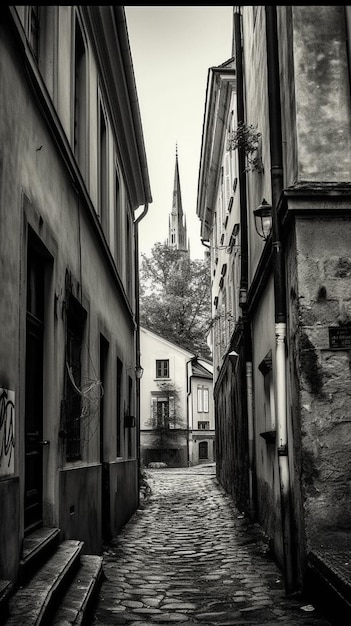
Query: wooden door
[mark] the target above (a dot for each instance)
(33, 490)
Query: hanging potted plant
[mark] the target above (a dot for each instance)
(249, 138)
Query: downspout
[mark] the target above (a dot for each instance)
(244, 260)
(279, 289)
(188, 402)
(137, 338)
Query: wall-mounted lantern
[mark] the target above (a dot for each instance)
(233, 357)
(263, 219)
(139, 371)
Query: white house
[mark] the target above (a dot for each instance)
(176, 404)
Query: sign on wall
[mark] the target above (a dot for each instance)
(7, 432)
(340, 337)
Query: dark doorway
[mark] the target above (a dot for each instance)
(105, 468)
(203, 450)
(33, 484)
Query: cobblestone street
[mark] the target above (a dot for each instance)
(189, 557)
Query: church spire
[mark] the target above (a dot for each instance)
(177, 226)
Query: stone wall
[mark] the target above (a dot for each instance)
(324, 300)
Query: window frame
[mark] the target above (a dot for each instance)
(162, 368)
(202, 399)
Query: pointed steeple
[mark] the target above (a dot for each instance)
(177, 225)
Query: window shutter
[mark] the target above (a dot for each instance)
(227, 180)
(153, 411)
(199, 400)
(205, 400)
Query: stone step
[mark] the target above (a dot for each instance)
(37, 547)
(76, 603)
(35, 602)
(6, 590)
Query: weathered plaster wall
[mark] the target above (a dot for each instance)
(231, 434)
(257, 114)
(79, 517)
(124, 478)
(293, 406)
(324, 299)
(267, 471)
(9, 528)
(322, 93)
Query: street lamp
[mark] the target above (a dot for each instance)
(263, 219)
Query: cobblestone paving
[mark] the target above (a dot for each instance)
(188, 556)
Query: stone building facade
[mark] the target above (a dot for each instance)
(73, 187)
(276, 153)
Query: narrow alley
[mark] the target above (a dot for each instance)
(188, 556)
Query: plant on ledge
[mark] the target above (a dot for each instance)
(249, 138)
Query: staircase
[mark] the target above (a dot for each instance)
(57, 583)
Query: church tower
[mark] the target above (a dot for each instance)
(177, 236)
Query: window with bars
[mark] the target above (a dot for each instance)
(203, 425)
(163, 411)
(162, 368)
(76, 317)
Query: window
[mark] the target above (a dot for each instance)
(130, 412)
(203, 425)
(202, 399)
(118, 209)
(163, 411)
(119, 406)
(74, 335)
(203, 450)
(80, 104)
(162, 368)
(265, 368)
(104, 349)
(34, 29)
(103, 171)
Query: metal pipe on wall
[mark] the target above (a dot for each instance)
(279, 290)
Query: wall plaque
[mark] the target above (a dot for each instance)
(340, 337)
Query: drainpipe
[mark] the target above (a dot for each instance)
(137, 338)
(244, 260)
(188, 407)
(279, 289)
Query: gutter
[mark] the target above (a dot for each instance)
(279, 290)
(137, 337)
(123, 38)
(188, 403)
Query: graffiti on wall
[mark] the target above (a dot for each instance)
(7, 431)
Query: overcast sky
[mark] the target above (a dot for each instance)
(172, 49)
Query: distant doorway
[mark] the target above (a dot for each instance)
(203, 450)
